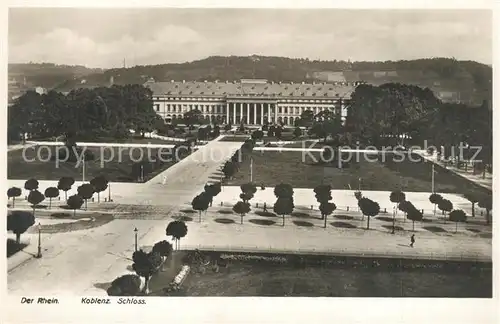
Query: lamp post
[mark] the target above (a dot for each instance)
(359, 184)
(39, 254)
(135, 232)
(393, 220)
(432, 177)
(83, 167)
(109, 192)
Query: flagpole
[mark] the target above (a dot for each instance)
(83, 175)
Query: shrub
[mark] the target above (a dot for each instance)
(127, 285)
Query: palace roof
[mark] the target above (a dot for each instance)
(249, 88)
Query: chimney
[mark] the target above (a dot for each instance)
(111, 81)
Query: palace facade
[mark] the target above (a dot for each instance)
(250, 101)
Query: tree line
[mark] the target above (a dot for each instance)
(83, 114)
(398, 114)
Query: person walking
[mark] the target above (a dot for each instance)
(265, 208)
(412, 240)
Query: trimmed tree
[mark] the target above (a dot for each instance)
(229, 169)
(435, 199)
(326, 209)
(474, 199)
(283, 190)
(241, 208)
(145, 265)
(31, 184)
(65, 184)
(164, 249)
(100, 183)
(86, 191)
(486, 202)
(457, 216)
(257, 135)
(51, 192)
(13, 193)
(445, 206)
(358, 195)
(18, 221)
(323, 195)
(414, 215)
(284, 206)
(177, 229)
(405, 206)
(213, 190)
(74, 202)
(201, 203)
(246, 196)
(35, 198)
(397, 197)
(369, 208)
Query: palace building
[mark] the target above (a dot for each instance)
(249, 101)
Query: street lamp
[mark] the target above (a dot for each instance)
(83, 166)
(359, 184)
(393, 219)
(433, 176)
(135, 232)
(39, 254)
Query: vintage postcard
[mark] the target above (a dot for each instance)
(161, 152)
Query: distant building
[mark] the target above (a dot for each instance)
(250, 101)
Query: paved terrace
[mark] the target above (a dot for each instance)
(100, 253)
(81, 262)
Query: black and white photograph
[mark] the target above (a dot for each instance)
(248, 152)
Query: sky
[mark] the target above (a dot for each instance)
(103, 38)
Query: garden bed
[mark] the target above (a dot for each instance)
(316, 276)
(301, 170)
(120, 167)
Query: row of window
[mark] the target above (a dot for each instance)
(219, 109)
(219, 99)
(285, 120)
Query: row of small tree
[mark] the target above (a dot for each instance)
(146, 264)
(84, 192)
(204, 200)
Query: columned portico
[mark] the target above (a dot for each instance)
(262, 114)
(253, 102)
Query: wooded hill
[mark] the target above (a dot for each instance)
(471, 79)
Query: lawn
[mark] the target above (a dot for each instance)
(119, 169)
(302, 171)
(364, 279)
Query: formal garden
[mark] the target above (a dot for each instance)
(163, 269)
